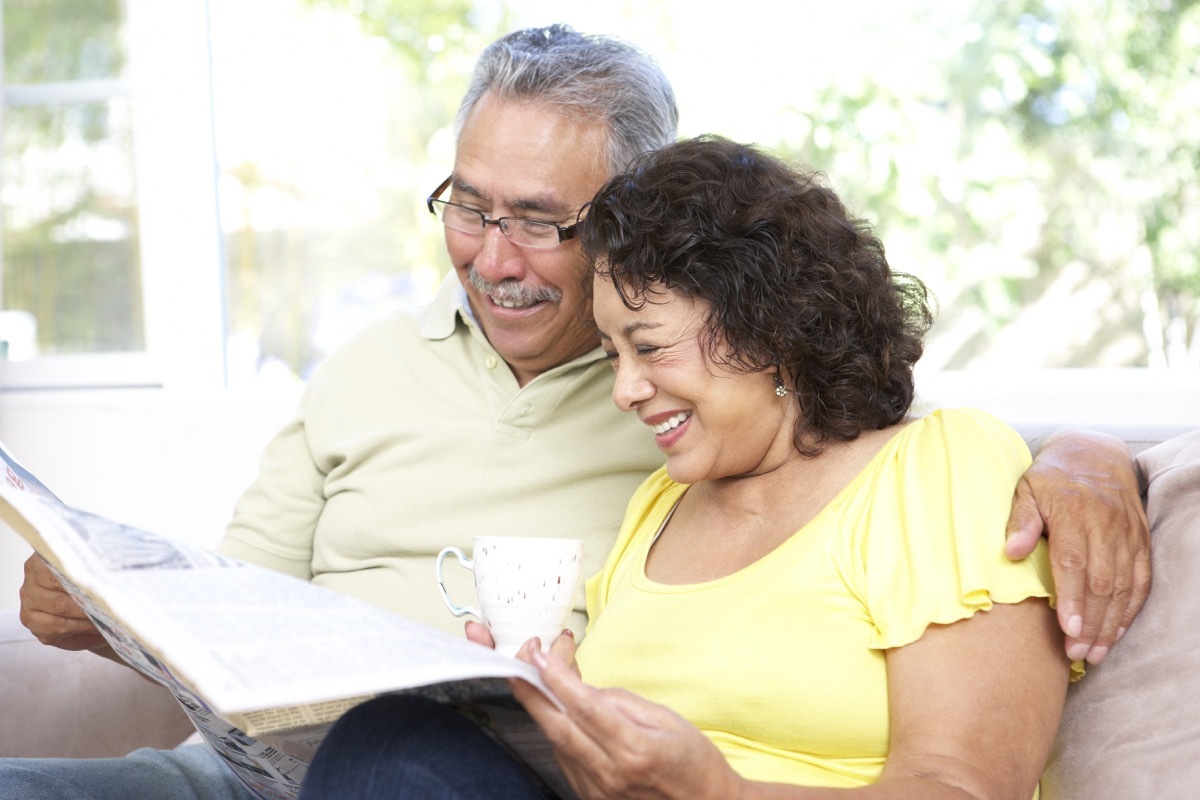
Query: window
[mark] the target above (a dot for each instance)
(324, 163)
(236, 185)
(72, 275)
(110, 249)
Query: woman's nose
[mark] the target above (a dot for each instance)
(631, 388)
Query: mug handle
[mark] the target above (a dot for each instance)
(465, 562)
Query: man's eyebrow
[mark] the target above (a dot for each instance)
(548, 203)
(457, 184)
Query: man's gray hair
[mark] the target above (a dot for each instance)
(587, 77)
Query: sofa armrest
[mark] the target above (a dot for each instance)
(59, 703)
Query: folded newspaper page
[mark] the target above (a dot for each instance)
(262, 662)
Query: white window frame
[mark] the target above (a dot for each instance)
(180, 238)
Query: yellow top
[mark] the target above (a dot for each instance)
(781, 664)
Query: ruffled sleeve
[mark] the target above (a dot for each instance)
(932, 550)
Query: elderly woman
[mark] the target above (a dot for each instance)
(808, 594)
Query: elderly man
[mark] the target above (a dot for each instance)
(490, 410)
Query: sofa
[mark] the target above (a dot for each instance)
(1131, 728)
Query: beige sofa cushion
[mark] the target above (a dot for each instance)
(1131, 728)
(58, 703)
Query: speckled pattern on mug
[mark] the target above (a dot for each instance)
(526, 586)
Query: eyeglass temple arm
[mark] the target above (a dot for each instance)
(436, 193)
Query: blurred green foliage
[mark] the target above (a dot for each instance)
(70, 252)
(1046, 171)
(46, 41)
(438, 41)
(1045, 166)
(1037, 162)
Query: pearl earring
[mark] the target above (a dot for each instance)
(780, 389)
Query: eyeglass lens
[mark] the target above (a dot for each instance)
(527, 232)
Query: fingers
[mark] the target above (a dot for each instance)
(479, 634)
(1085, 489)
(575, 698)
(560, 678)
(601, 715)
(1103, 609)
(586, 732)
(564, 648)
(51, 614)
(1068, 564)
(1115, 587)
(613, 743)
(1141, 587)
(41, 592)
(1139, 546)
(38, 574)
(1025, 528)
(558, 722)
(1025, 524)
(1092, 578)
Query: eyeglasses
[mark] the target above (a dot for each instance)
(518, 230)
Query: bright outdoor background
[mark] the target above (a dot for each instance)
(198, 200)
(1035, 161)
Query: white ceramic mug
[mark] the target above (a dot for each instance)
(525, 586)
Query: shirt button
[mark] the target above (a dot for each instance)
(491, 362)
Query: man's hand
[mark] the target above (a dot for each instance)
(50, 613)
(1082, 492)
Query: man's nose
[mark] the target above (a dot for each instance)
(498, 258)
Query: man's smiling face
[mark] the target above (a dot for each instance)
(520, 159)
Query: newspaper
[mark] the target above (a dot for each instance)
(263, 663)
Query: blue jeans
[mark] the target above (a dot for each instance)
(401, 746)
(189, 772)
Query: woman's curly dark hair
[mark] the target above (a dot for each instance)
(792, 280)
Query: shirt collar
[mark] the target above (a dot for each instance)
(451, 301)
(448, 303)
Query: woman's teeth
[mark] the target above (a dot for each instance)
(673, 422)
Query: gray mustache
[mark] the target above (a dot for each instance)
(511, 290)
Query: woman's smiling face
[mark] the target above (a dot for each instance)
(710, 420)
